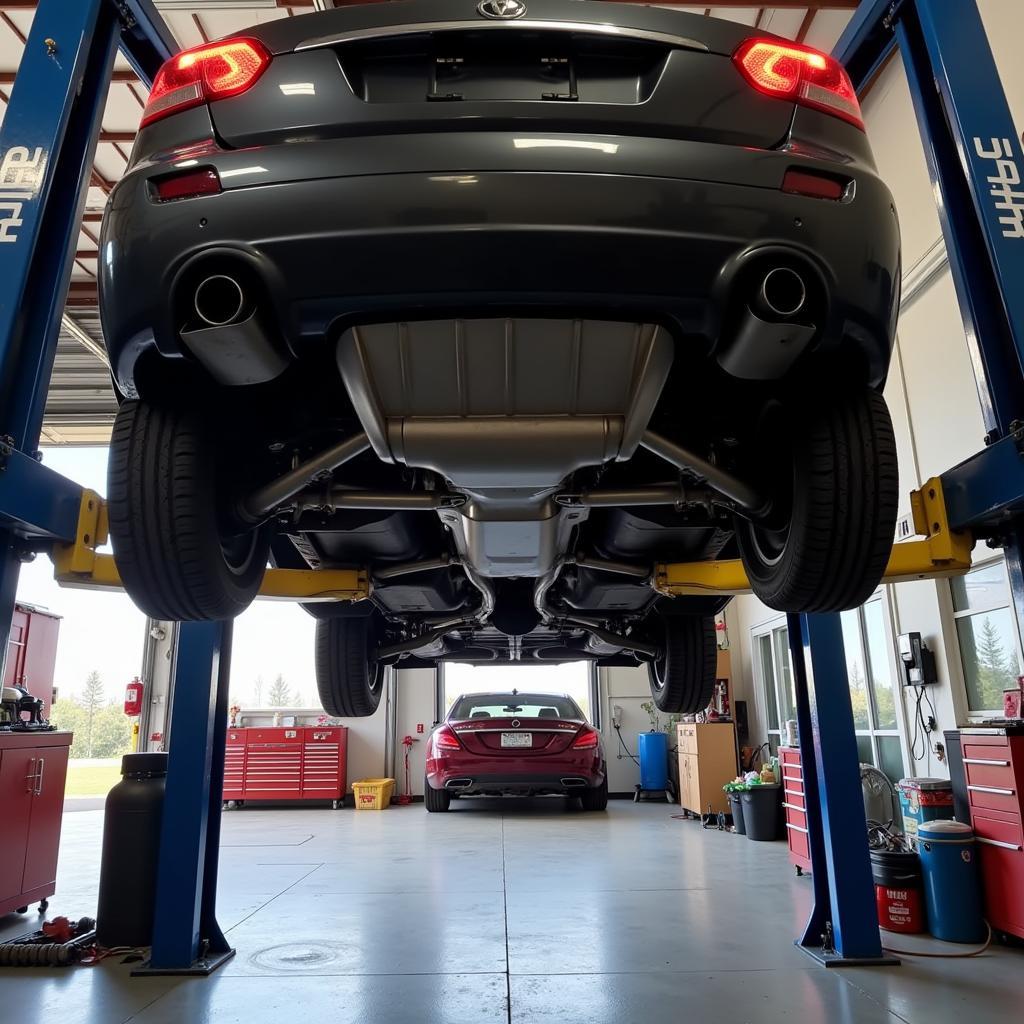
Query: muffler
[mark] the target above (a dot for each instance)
(233, 345)
(773, 330)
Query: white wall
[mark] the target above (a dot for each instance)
(931, 390)
(414, 702)
(629, 688)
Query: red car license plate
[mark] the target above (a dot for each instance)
(517, 739)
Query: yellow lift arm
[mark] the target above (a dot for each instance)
(80, 565)
(942, 552)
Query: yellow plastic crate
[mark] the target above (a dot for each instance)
(373, 794)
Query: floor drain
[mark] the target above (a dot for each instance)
(298, 956)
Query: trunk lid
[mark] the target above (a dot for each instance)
(565, 66)
(547, 735)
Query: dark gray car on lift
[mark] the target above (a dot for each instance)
(504, 303)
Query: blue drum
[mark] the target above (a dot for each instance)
(653, 749)
(952, 885)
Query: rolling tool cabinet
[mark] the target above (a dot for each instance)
(795, 805)
(994, 770)
(286, 763)
(33, 769)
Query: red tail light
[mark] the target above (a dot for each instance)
(798, 73)
(445, 739)
(586, 739)
(204, 73)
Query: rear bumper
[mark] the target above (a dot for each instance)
(569, 783)
(351, 230)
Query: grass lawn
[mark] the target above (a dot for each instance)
(92, 778)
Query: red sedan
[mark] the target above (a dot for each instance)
(515, 744)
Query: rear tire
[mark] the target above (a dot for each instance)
(435, 800)
(836, 487)
(595, 798)
(683, 678)
(175, 557)
(349, 679)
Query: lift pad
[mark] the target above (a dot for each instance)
(79, 564)
(943, 552)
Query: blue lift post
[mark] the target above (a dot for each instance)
(47, 142)
(975, 164)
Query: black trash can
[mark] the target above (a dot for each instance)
(761, 812)
(131, 843)
(736, 807)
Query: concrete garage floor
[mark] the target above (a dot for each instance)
(500, 912)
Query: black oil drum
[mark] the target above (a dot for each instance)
(131, 844)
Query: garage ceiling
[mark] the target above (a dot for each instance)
(80, 406)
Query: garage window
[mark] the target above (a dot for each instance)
(987, 633)
(873, 692)
(775, 670)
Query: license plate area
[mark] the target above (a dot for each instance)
(517, 739)
(508, 65)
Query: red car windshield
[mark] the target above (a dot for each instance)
(507, 705)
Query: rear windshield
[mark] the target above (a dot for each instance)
(523, 705)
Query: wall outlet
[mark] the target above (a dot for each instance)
(617, 716)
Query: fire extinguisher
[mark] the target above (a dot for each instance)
(133, 698)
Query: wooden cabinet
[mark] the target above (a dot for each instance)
(794, 801)
(33, 770)
(707, 761)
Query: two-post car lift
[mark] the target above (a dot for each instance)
(47, 142)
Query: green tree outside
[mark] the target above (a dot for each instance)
(280, 695)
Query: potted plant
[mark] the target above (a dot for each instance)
(733, 791)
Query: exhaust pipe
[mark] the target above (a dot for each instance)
(782, 293)
(573, 783)
(458, 784)
(769, 337)
(219, 300)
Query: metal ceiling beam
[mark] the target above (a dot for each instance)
(75, 329)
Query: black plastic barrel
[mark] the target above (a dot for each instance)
(761, 812)
(131, 843)
(736, 806)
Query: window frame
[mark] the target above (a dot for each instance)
(965, 712)
(770, 626)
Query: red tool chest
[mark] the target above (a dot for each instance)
(286, 763)
(33, 769)
(994, 769)
(795, 804)
(32, 652)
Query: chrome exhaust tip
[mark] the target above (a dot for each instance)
(219, 300)
(783, 292)
(458, 784)
(573, 783)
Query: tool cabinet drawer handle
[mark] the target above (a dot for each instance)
(30, 779)
(794, 792)
(797, 828)
(986, 760)
(999, 843)
(991, 789)
(39, 776)
(793, 807)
